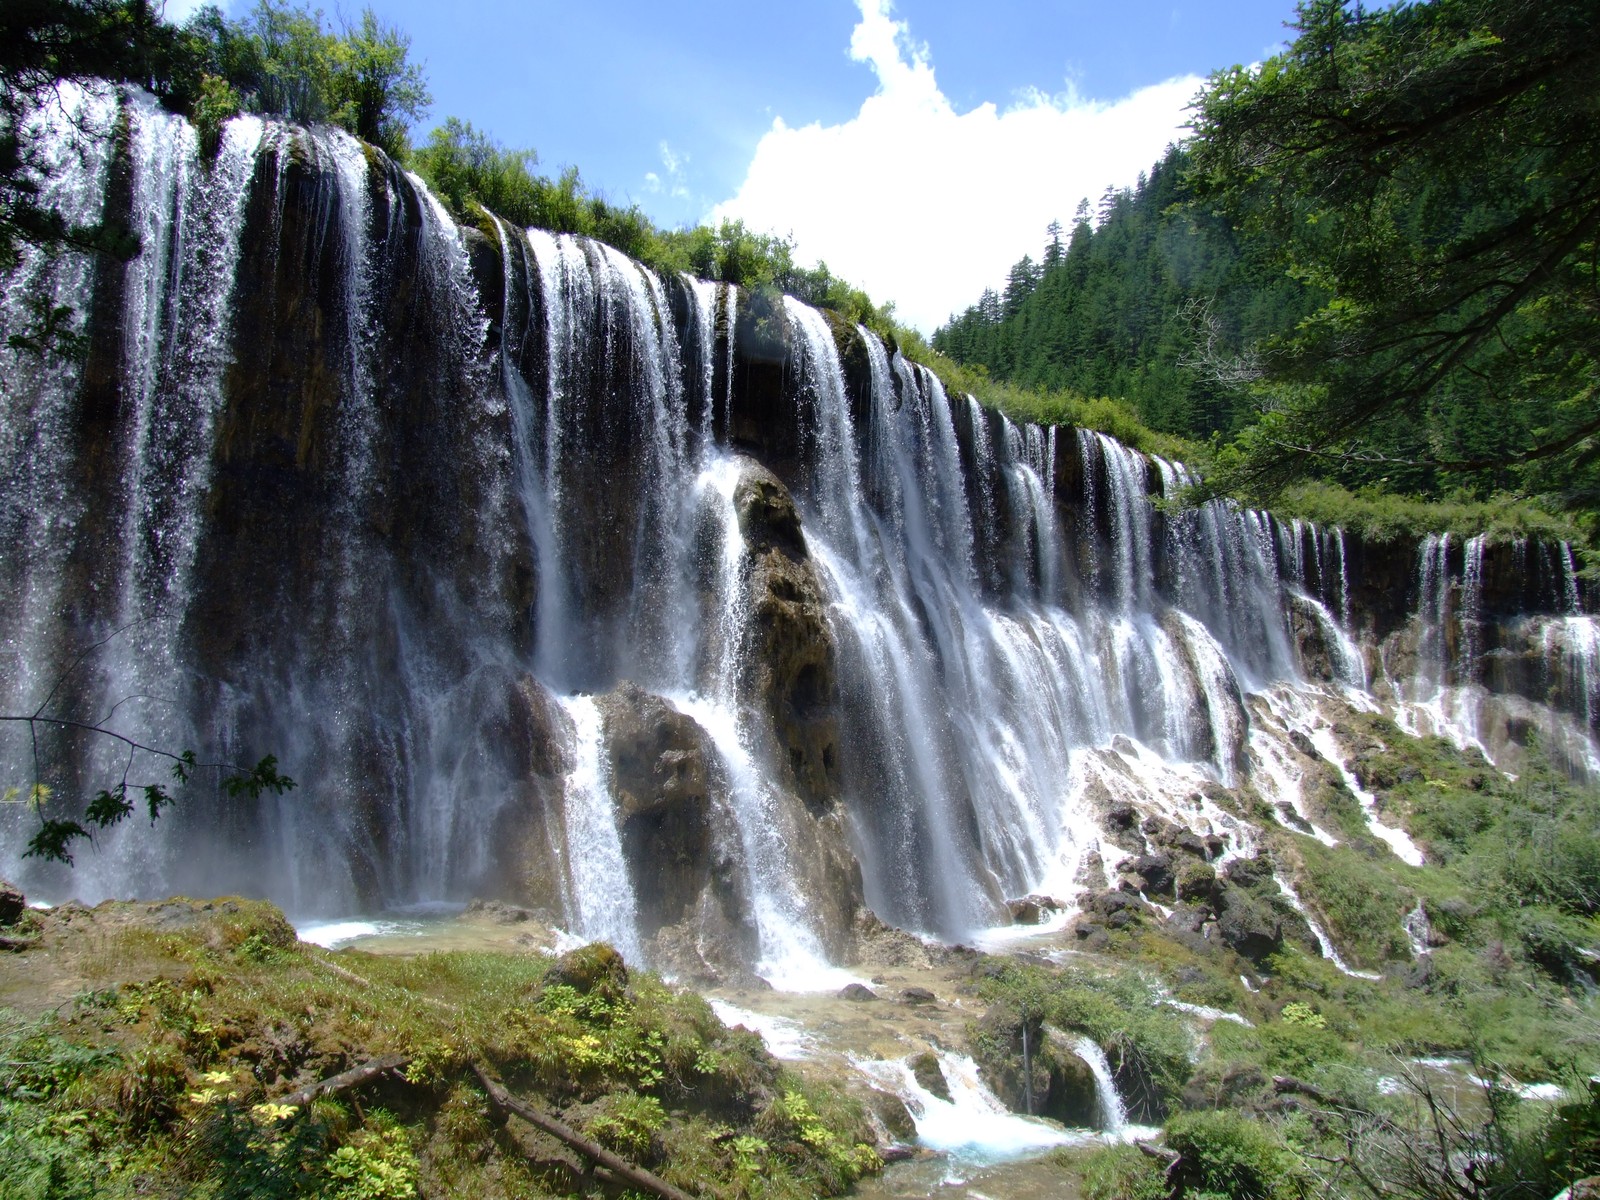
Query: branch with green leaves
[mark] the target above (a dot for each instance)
(55, 837)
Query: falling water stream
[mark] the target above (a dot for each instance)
(414, 523)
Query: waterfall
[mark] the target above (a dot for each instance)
(404, 501)
(600, 895)
(1109, 1109)
(973, 1127)
(1329, 950)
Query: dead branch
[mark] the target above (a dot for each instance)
(345, 1080)
(596, 1153)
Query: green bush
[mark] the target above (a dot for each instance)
(1226, 1154)
(1122, 1173)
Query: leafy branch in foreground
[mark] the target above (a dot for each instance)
(54, 839)
(1431, 169)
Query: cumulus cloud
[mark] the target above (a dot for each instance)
(925, 206)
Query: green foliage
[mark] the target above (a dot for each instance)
(1382, 516)
(1137, 304)
(628, 1124)
(282, 59)
(217, 103)
(1119, 1173)
(53, 841)
(1429, 169)
(182, 1077)
(375, 1164)
(1361, 900)
(1226, 1154)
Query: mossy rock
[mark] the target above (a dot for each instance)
(927, 1072)
(595, 968)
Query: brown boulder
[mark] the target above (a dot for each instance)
(789, 659)
(659, 761)
(12, 903)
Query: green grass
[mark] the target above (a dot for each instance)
(179, 1076)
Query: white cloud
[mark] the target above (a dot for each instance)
(674, 183)
(925, 206)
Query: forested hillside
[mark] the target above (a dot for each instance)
(1372, 266)
(1118, 307)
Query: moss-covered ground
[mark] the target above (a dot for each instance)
(174, 1083)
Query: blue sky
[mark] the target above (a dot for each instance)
(874, 135)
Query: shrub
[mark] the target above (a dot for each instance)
(1225, 1154)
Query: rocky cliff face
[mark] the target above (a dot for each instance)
(694, 618)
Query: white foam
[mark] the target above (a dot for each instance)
(785, 1037)
(330, 935)
(973, 1127)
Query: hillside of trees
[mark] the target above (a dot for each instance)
(1373, 267)
(1118, 306)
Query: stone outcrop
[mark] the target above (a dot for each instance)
(660, 766)
(789, 656)
(1062, 1084)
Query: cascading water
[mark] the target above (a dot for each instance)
(1113, 1115)
(408, 503)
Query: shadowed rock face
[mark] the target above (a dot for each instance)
(661, 780)
(789, 658)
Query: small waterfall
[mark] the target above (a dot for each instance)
(1112, 1115)
(1329, 950)
(1128, 509)
(973, 1127)
(1418, 931)
(600, 894)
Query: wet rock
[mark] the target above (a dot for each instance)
(714, 945)
(1117, 909)
(881, 945)
(858, 992)
(12, 903)
(1062, 1085)
(1304, 744)
(1249, 925)
(530, 731)
(916, 995)
(1249, 872)
(1153, 874)
(895, 1118)
(659, 761)
(1092, 937)
(1292, 819)
(1121, 815)
(1186, 918)
(789, 658)
(1032, 910)
(1197, 884)
(498, 911)
(926, 1070)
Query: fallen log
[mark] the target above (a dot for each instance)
(594, 1151)
(19, 943)
(345, 1080)
(1299, 1087)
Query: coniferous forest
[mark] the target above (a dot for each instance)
(1373, 265)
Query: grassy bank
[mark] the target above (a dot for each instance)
(179, 1080)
